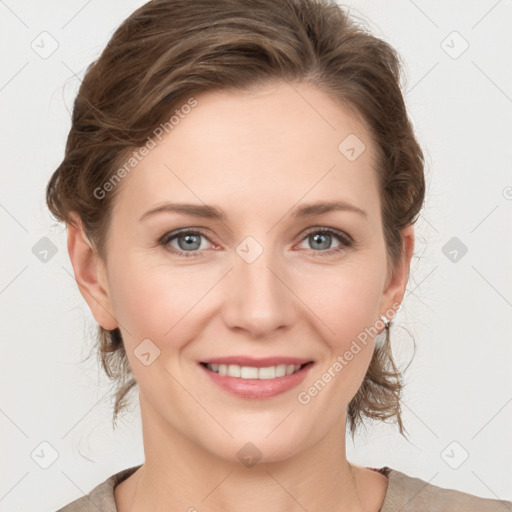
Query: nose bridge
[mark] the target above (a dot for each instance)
(258, 299)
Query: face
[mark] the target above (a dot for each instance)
(262, 281)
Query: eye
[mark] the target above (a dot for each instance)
(188, 242)
(321, 238)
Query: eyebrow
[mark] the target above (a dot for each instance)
(211, 212)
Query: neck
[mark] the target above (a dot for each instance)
(179, 474)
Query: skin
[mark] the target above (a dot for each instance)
(257, 156)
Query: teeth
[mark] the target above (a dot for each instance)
(251, 372)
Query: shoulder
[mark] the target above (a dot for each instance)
(101, 497)
(408, 494)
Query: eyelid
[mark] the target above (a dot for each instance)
(345, 237)
(171, 235)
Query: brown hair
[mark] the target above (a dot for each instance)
(168, 50)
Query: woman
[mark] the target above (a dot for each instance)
(240, 186)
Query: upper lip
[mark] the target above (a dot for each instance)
(257, 363)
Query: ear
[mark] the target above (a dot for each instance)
(396, 283)
(90, 275)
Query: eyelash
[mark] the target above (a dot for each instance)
(344, 239)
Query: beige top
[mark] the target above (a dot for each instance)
(404, 494)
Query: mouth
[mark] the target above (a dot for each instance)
(259, 380)
(255, 372)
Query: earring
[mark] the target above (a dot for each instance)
(386, 322)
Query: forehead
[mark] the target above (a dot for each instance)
(278, 143)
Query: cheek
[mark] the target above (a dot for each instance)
(157, 305)
(154, 301)
(345, 299)
(347, 306)
(146, 301)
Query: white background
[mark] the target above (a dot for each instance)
(459, 386)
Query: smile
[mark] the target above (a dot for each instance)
(252, 372)
(252, 382)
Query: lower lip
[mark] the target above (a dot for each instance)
(258, 388)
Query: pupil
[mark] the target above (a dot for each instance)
(318, 238)
(189, 241)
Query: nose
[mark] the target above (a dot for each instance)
(258, 298)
